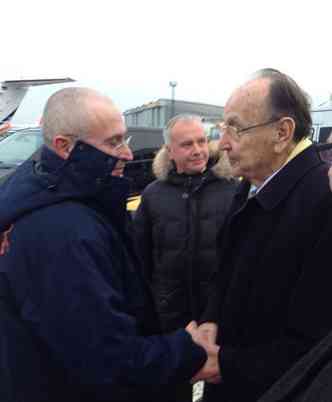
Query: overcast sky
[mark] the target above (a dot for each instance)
(131, 49)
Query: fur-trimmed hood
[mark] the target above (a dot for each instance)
(162, 165)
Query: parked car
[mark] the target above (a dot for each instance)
(321, 132)
(17, 147)
(145, 142)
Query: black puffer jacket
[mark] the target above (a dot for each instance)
(176, 227)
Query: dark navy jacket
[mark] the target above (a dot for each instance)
(75, 287)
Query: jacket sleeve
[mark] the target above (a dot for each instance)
(143, 236)
(88, 325)
(308, 322)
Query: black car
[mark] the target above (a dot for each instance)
(145, 142)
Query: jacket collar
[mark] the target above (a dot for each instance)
(300, 147)
(84, 177)
(282, 183)
(87, 169)
(194, 179)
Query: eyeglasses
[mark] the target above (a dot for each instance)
(237, 133)
(115, 143)
(122, 143)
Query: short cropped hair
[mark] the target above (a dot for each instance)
(67, 113)
(171, 123)
(288, 99)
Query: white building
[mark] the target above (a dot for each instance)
(156, 114)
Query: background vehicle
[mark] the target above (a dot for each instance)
(17, 147)
(322, 122)
(144, 144)
(321, 132)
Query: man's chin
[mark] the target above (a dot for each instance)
(198, 167)
(196, 171)
(236, 169)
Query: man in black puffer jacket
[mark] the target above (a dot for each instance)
(178, 221)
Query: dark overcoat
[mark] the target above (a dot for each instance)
(274, 286)
(309, 380)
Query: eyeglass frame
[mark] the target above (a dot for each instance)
(245, 129)
(122, 143)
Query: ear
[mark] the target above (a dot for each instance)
(62, 146)
(169, 150)
(285, 134)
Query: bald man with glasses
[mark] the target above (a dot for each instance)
(78, 322)
(273, 287)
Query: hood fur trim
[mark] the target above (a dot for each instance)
(162, 165)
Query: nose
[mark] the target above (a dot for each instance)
(126, 153)
(196, 148)
(224, 143)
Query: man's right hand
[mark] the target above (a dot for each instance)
(209, 331)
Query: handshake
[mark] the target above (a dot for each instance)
(4, 240)
(205, 335)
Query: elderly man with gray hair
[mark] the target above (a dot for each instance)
(77, 317)
(273, 291)
(177, 224)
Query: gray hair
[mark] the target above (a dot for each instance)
(67, 113)
(287, 98)
(171, 123)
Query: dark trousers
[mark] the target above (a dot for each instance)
(183, 393)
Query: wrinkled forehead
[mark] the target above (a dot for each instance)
(250, 102)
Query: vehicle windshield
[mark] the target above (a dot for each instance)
(19, 146)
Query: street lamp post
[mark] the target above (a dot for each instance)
(173, 84)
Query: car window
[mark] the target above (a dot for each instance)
(19, 146)
(324, 133)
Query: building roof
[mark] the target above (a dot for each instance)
(164, 101)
